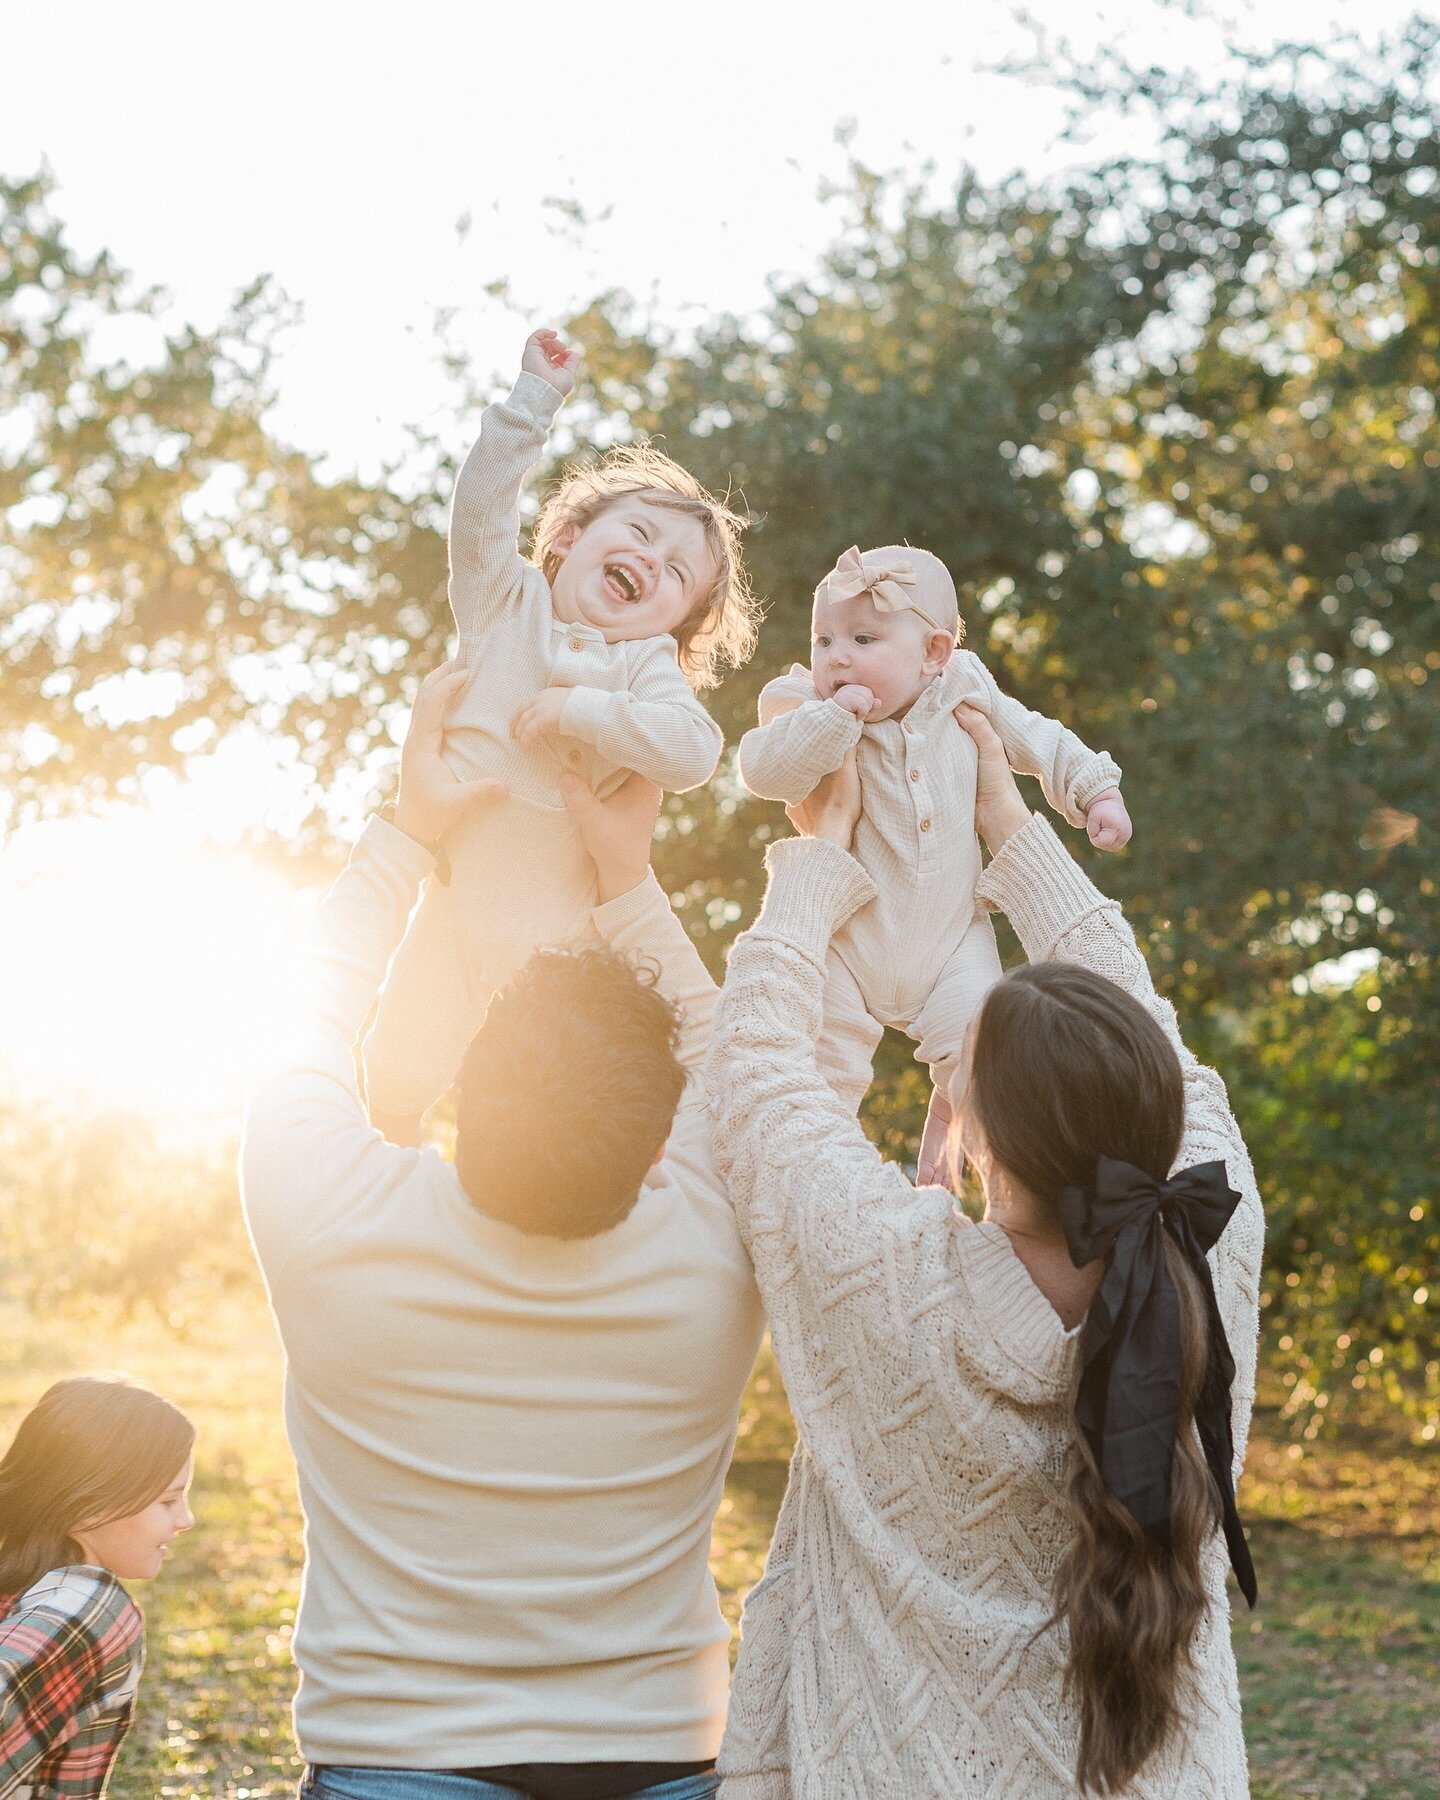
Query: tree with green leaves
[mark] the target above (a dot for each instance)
(171, 573)
(1170, 422)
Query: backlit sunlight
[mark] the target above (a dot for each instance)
(136, 964)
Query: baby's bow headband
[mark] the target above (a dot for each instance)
(1128, 1403)
(886, 587)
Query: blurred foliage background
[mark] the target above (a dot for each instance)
(1169, 420)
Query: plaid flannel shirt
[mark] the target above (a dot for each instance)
(71, 1650)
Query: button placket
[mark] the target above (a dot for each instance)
(916, 787)
(926, 836)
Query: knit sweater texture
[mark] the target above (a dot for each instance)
(510, 1448)
(897, 1647)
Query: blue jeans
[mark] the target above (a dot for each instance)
(420, 1784)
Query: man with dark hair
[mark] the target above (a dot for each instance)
(512, 1384)
(579, 1036)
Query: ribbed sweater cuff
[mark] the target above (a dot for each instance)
(1039, 887)
(388, 844)
(613, 918)
(533, 396)
(1103, 773)
(814, 888)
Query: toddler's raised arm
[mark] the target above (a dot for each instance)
(799, 741)
(1071, 773)
(487, 571)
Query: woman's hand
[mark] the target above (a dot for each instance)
(932, 1166)
(832, 808)
(999, 810)
(617, 831)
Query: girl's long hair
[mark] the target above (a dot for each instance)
(1066, 1068)
(91, 1450)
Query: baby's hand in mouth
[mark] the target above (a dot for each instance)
(854, 698)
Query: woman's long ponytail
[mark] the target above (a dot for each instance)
(1132, 1607)
(1067, 1068)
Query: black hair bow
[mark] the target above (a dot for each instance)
(1128, 1404)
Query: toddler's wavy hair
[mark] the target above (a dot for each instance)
(723, 627)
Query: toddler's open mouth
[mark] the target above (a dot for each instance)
(621, 583)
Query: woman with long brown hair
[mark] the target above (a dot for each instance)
(93, 1490)
(999, 1568)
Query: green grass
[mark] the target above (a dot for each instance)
(1340, 1667)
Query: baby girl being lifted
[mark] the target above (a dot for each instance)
(885, 679)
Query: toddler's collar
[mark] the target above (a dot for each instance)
(594, 635)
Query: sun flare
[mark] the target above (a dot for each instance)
(136, 964)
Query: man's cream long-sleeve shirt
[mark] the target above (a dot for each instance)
(510, 1448)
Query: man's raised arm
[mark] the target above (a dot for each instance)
(306, 1130)
(634, 916)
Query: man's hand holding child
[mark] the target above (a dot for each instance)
(432, 795)
(547, 356)
(617, 831)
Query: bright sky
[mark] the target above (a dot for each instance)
(338, 146)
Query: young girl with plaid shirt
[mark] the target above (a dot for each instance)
(93, 1488)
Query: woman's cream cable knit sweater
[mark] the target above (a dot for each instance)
(891, 1651)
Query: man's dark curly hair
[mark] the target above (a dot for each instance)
(567, 1091)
